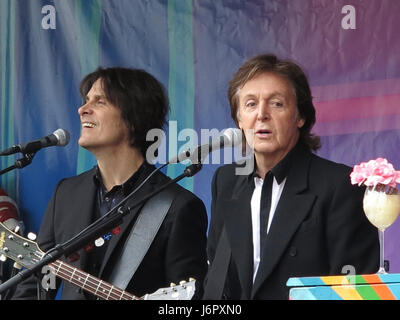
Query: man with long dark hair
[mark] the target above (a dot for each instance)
(120, 107)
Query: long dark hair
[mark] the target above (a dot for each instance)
(139, 95)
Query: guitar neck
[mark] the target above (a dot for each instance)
(27, 253)
(89, 283)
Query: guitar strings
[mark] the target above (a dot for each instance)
(90, 283)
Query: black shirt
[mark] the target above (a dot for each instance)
(105, 201)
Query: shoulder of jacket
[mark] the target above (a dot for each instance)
(78, 179)
(329, 167)
(178, 191)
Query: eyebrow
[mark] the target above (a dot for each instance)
(270, 96)
(278, 95)
(96, 97)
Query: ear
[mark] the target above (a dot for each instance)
(300, 122)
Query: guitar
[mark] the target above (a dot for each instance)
(27, 253)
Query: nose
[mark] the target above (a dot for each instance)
(263, 111)
(84, 109)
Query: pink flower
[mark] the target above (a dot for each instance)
(375, 172)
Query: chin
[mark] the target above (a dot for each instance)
(265, 147)
(262, 152)
(83, 143)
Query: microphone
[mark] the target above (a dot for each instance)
(231, 137)
(60, 137)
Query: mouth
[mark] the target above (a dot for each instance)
(87, 124)
(263, 133)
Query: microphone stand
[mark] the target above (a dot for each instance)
(104, 226)
(20, 163)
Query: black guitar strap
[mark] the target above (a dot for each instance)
(218, 271)
(141, 236)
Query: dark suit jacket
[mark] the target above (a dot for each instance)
(319, 226)
(177, 252)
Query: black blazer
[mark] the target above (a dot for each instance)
(177, 252)
(319, 226)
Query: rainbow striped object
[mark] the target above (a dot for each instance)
(349, 287)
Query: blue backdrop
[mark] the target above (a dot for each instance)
(350, 50)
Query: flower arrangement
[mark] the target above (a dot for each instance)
(378, 172)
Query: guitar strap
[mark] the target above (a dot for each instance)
(140, 238)
(219, 269)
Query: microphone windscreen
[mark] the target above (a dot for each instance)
(234, 136)
(62, 137)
